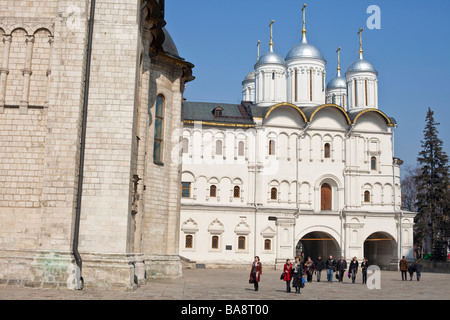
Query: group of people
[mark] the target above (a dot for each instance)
(294, 272)
(411, 268)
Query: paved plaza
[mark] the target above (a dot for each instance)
(225, 284)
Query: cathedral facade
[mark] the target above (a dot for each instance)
(90, 122)
(300, 168)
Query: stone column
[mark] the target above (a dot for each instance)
(23, 106)
(4, 71)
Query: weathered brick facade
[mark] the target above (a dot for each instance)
(129, 216)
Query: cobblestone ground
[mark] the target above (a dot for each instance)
(210, 284)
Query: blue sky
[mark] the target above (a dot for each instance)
(411, 51)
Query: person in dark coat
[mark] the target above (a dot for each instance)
(341, 266)
(353, 268)
(309, 269)
(403, 265)
(297, 275)
(319, 265)
(287, 274)
(411, 270)
(255, 273)
(364, 267)
(418, 268)
(330, 264)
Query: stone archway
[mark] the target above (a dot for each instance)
(380, 249)
(318, 243)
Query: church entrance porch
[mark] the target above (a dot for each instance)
(381, 250)
(317, 243)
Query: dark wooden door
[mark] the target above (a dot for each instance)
(325, 197)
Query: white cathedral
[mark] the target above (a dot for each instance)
(299, 167)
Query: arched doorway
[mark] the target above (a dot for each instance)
(318, 243)
(380, 249)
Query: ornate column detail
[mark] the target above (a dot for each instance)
(4, 71)
(23, 106)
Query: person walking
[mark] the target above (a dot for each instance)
(403, 264)
(411, 270)
(287, 269)
(364, 267)
(353, 268)
(309, 269)
(341, 266)
(256, 272)
(418, 268)
(297, 275)
(319, 265)
(330, 264)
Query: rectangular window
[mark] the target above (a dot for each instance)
(241, 243)
(185, 189)
(215, 242)
(267, 244)
(310, 85)
(188, 242)
(365, 89)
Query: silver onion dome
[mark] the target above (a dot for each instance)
(249, 78)
(361, 65)
(270, 58)
(337, 83)
(305, 50)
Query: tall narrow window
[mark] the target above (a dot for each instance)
(236, 192)
(185, 189)
(373, 163)
(325, 197)
(327, 150)
(185, 145)
(241, 148)
(296, 85)
(241, 243)
(218, 147)
(273, 194)
(267, 244)
(188, 241)
(273, 75)
(310, 84)
(365, 92)
(271, 147)
(159, 130)
(366, 196)
(215, 242)
(323, 82)
(355, 89)
(212, 191)
(343, 101)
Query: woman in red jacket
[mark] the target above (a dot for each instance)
(287, 274)
(256, 272)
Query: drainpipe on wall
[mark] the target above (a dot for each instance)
(76, 253)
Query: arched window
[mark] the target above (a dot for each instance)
(273, 193)
(185, 145)
(373, 163)
(366, 196)
(215, 242)
(325, 197)
(212, 191)
(296, 85)
(355, 88)
(236, 192)
(241, 243)
(188, 241)
(271, 147)
(327, 150)
(310, 85)
(159, 130)
(218, 147)
(267, 244)
(241, 148)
